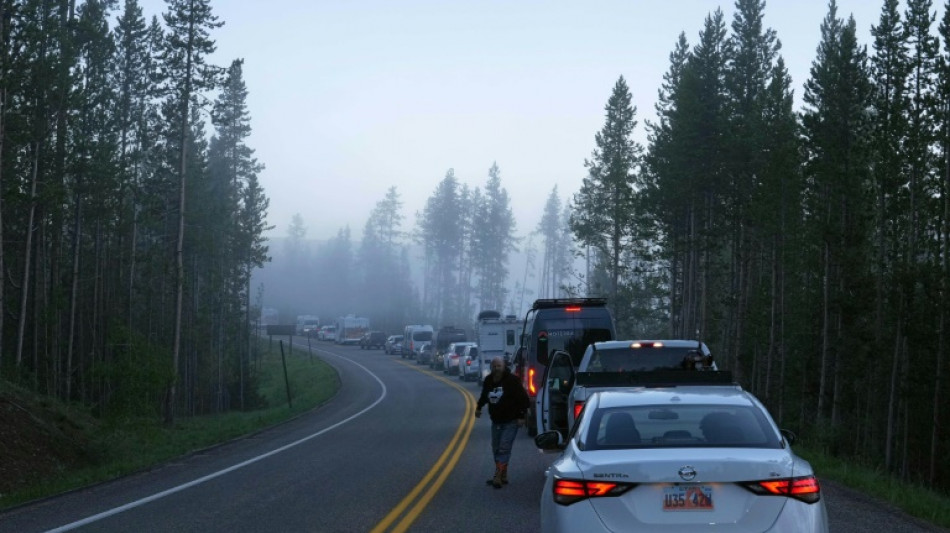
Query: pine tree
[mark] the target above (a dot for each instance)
(604, 206)
(836, 127)
(440, 232)
(494, 239)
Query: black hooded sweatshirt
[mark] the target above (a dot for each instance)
(507, 400)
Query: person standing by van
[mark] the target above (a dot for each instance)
(507, 404)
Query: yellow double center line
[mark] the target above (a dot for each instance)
(440, 470)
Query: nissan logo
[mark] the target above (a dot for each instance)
(687, 473)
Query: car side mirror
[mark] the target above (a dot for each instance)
(549, 440)
(790, 437)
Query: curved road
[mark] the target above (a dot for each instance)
(397, 449)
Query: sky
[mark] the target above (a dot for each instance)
(350, 98)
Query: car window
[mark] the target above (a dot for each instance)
(680, 426)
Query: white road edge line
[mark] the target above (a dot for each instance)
(179, 488)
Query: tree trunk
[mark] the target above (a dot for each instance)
(27, 254)
(73, 293)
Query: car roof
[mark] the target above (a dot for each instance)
(618, 344)
(681, 395)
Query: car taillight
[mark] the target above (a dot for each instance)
(804, 488)
(647, 345)
(532, 388)
(568, 491)
(572, 309)
(468, 363)
(577, 409)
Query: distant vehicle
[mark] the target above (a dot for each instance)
(327, 333)
(308, 325)
(372, 339)
(350, 328)
(413, 337)
(391, 343)
(568, 324)
(494, 333)
(450, 359)
(426, 354)
(678, 458)
(470, 363)
(496, 336)
(612, 364)
(443, 338)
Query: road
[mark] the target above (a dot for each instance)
(395, 450)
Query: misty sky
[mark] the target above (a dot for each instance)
(348, 98)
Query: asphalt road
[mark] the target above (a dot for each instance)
(396, 450)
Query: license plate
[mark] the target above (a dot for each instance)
(687, 498)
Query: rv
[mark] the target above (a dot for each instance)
(307, 325)
(350, 329)
(496, 336)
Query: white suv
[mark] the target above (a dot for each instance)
(470, 364)
(450, 360)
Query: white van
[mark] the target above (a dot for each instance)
(413, 337)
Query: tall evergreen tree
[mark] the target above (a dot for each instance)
(440, 232)
(836, 127)
(494, 240)
(189, 43)
(605, 214)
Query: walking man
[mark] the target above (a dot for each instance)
(507, 403)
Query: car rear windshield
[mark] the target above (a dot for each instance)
(679, 426)
(638, 359)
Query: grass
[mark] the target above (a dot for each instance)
(913, 499)
(135, 444)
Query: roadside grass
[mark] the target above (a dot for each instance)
(130, 445)
(915, 500)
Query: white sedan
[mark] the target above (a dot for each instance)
(678, 458)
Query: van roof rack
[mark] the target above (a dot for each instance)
(547, 303)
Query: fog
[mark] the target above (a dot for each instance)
(347, 99)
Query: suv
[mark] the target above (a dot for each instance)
(470, 364)
(424, 354)
(393, 344)
(443, 338)
(450, 359)
(372, 339)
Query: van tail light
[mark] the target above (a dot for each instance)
(529, 382)
(568, 491)
(804, 488)
(577, 409)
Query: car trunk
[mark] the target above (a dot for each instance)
(664, 501)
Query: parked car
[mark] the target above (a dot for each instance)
(372, 339)
(391, 342)
(684, 458)
(450, 359)
(469, 364)
(424, 353)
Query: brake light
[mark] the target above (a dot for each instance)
(577, 409)
(568, 491)
(573, 309)
(804, 488)
(532, 389)
(647, 345)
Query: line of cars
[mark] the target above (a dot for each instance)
(651, 435)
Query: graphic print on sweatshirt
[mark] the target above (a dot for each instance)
(495, 395)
